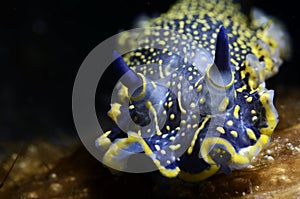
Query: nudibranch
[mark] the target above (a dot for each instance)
(193, 97)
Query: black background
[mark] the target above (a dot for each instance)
(43, 43)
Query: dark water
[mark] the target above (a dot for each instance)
(43, 43)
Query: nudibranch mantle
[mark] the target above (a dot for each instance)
(192, 97)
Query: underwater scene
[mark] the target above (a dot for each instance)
(168, 99)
